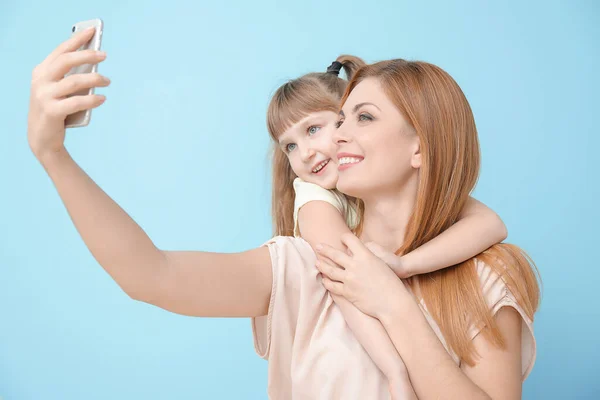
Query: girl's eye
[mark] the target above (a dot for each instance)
(365, 117)
(313, 129)
(339, 123)
(289, 147)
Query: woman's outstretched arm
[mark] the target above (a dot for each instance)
(191, 283)
(185, 282)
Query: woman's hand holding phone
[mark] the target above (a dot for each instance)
(50, 104)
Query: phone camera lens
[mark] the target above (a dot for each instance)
(73, 29)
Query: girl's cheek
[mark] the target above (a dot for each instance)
(327, 147)
(293, 163)
(333, 149)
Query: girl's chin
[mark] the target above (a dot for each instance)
(329, 182)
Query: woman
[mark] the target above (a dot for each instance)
(253, 282)
(412, 134)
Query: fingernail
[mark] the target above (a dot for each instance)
(106, 79)
(91, 28)
(101, 54)
(318, 263)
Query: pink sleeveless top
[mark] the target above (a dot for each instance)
(311, 351)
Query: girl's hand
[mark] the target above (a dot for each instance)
(362, 278)
(49, 104)
(396, 263)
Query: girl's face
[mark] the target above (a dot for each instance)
(310, 148)
(378, 150)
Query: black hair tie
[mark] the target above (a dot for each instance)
(334, 68)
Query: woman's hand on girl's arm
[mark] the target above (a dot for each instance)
(361, 277)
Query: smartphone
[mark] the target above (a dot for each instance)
(82, 118)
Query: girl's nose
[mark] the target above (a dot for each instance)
(308, 154)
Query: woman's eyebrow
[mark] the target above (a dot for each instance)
(356, 107)
(359, 105)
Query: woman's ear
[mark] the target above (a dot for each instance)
(415, 160)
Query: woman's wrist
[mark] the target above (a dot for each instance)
(50, 158)
(402, 307)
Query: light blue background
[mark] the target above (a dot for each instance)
(181, 144)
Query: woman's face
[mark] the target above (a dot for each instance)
(310, 148)
(378, 150)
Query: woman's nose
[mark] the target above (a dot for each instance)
(340, 136)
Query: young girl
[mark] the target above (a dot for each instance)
(301, 120)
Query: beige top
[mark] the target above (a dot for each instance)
(311, 351)
(306, 192)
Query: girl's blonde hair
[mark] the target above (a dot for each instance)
(293, 101)
(435, 106)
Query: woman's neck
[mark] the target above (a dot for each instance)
(386, 216)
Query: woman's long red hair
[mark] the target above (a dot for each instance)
(440, 114)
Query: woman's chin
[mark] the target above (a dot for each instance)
(350, 188)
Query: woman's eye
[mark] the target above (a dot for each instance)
(365, 117)
(339, 123)
(313, 129)
(289, 147)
